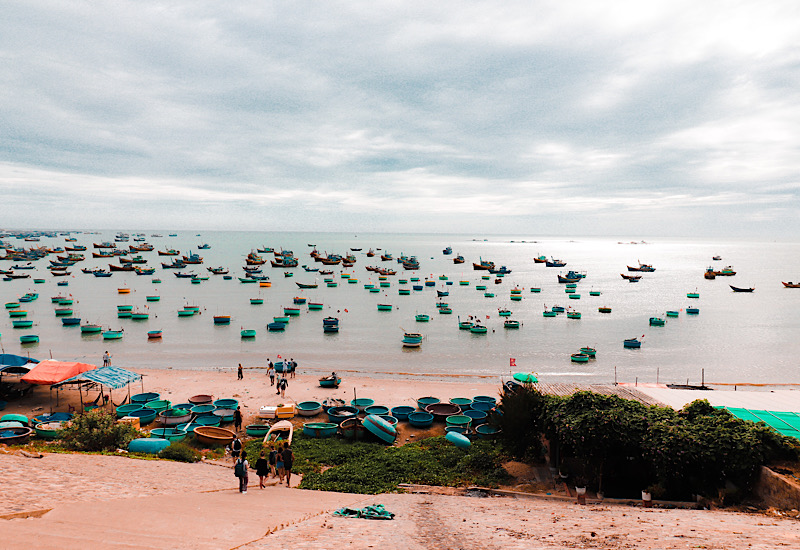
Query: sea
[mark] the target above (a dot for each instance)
(737, 338)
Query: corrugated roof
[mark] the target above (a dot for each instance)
(110, 377)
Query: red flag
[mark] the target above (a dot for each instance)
(512, 362)
(279, 357)
(487, 317)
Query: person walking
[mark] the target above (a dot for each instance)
(279, 462)
(240, 470)
(106, 359)
(282, 384)
(237, 419)
(288, 461)
(262, 470)
(236, 448)
(294, 368)
(271, 459)
(271, 374)
(240, 374)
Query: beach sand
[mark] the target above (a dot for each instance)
(78, 501)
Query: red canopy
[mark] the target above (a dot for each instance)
(52, 372)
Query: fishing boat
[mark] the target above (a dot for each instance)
(511, 324)
(90, 328)
(554, 263)
(320, 429)
(112, 334)
(710, 274)
(642, 267)
(248, 333)
(692, 311)
(70, 321)
(140, 315)
(330, 381)
(790, 284)
(693, 295)
(281, 432)
(222, 319)
(573, 315)
(604, 309)
(738, 289)
(29, 338)
(154, 334)
(380, 428)
(384, 307)
(591, 352)
(15, 435)
(579, 358)
(276, 327)
(483, 265)
(445, 311)
(330, 324)
(22, 323)
(630, 277)
(422, 318)
(672, 313)
(657, 322)
(632, 343)
(478, 329)
(412, 340)
(459, 259)
(540, 259)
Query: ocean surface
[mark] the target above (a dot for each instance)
(736, 338)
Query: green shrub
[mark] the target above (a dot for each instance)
(180, 452)
(97, 430)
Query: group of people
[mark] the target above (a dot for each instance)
(278, 463)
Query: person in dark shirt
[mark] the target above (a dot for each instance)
(288, 461)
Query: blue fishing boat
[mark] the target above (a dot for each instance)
(320, 429)
(380, 428)
(632, 343)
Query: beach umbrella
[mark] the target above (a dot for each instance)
(526, 377)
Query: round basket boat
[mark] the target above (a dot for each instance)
(402, 412)
(460, 420)
(187, 406)
(203, 410)
(485, 431)
(257, 430)
(420, 419)
(457, 429)
(158, 405)
(484, 406)
(224, 415)
(125, 410)
(214, 436)
(423, 402)
(173, 417)
(475, 415)
(226, 403)
(208, 420)
(390, 419)
(338, 414)
(170, 434)
(49, 430)
(440, 411)
(54, 417)
(201, 399)
(10, 424)
(188, 427)
(17, 417)
(463, 402)
(351, 428)
(362, 403)
(377, 409)
(380, 428)
(144, 415)
(145, 397)
(309, 408)
(320, 429)
(459, 440)
(149, 445)
(484, 399)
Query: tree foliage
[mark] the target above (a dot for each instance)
(97, 430)
(698, 450)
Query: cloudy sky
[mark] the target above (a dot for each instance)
(602, 118)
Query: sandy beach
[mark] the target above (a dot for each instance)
(72, 501)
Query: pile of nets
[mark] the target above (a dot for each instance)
(376, 511)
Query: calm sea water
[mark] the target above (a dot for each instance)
(736, 337)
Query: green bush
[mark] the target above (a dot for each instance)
(97, 430)
(180, 452)
(370, 468)
(623, 446)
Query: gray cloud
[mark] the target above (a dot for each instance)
(547, 117)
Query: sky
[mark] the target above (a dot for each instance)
(537, 117)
